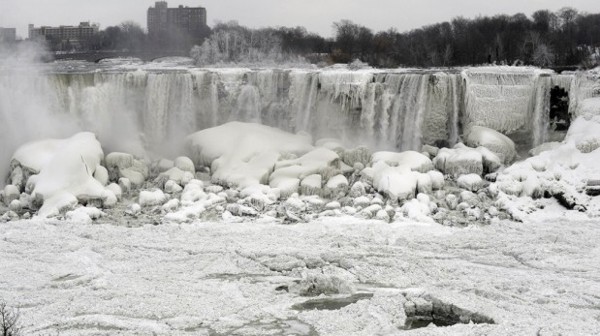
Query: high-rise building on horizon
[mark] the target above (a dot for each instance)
(166, 23)
(65, 37)
(8, 35)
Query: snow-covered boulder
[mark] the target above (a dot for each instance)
(10, 194)
(413, 160)
(312, 185)
(125, 165)
(471, 182)
(242, 154)
(66, 172)
(584, 134)
(437, 179)
(288, 173)
(152, 197)
(358, 189)
(397, 183)
(335, 185)
(176, 175)
(116, 190)
(84, 214)
(163, 165)
(589, 107)
(171, 187)
(458, 161)
(495, 141)
(185, 164)
(101, 175)
(361, 155)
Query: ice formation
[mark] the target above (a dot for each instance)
(61, 173)
(395, 143)
(131, 110)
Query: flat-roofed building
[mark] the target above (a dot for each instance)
(165, 22)
(8, 34)
(65, 37)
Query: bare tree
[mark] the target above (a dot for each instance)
(9, 321)
(543, 56)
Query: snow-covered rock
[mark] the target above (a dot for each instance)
(590, 107)
(66, 172)
(171, 187)
(311, 185)
(151, 197)
(10, 194)
(101, 175)
(413, 160)
(437, 179)
(397, 183)
(116, 190)
(498, 143)
(458, 161)
(471, 182)
(123, 165)
(185, 164)
(242, 154)
(336, 184)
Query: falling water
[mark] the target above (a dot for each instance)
(138, 110)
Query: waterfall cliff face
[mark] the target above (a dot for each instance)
(394, 110)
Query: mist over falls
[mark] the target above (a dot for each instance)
(138, 111)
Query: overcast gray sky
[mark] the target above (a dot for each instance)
(315, 15)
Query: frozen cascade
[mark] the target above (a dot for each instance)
(248, 107)
(541, 110)
(454, 135)
(303, 95)
(136, 110)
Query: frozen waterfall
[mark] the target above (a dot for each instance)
(136, 110)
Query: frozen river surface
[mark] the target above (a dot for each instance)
(541, 277)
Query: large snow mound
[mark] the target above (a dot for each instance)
(565, 171)
(65, 172)
(243, 154)
(590, 107)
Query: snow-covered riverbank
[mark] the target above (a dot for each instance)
(537, 277)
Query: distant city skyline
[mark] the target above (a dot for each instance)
(316, 15)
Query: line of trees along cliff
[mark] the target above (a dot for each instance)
(566, 37)
(563, 38)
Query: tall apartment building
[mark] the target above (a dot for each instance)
(8, 34)
(66, 37)
(169, 22)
